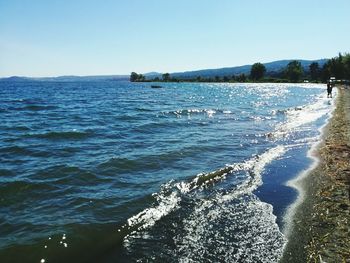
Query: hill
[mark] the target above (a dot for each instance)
(271, 68)
(68, 78)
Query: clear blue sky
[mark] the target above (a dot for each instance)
(85, 37)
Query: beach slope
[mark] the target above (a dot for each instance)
(320, 229)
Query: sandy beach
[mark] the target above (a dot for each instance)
(320, 230)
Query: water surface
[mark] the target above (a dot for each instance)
(120, 172)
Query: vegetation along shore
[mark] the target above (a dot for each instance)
(293, 71)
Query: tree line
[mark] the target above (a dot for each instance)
(338, 67)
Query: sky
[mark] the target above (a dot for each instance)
(113, 37)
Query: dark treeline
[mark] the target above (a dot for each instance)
(338, 67)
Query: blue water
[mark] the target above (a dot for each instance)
(121, 172)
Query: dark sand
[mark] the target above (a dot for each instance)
(320, 227)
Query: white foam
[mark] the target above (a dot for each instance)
(189, 112)
(232, 232)
(170, 202)
(256, 166)
(297, 182)
(300, 116)
(149, 216)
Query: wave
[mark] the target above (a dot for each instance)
(64, 174)
(64, 135)
(298, 117)
(40, 107)
(20, 188)
(169, 197)
(23, 151)
(19, 128)
(142, 109)
(192, 112)
(236, 219)
(153, 161)
(115, 165)
(6, 173)
(244, 231)
(33, 108)
(297, 182)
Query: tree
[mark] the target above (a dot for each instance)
(257, 71)
(166, 77)
(314, 71)
(134, 76)
(325, 72)
(294, 71)
(346, 62)
(336, 67)
(242, 78)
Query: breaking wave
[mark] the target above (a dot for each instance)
(230, 203)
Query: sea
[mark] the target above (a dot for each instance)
(114, 171)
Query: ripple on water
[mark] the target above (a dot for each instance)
(33, 108)
(58, 174)
(63, 135)
(65, 175)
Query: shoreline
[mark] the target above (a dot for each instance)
(318, 228)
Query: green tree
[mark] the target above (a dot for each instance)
(166, 77)
(346, 62)
(325, 72)
(257, 71)
(141, 78)
(314, 71)
(241, 78)
(134, 76)
(336, 67)
(294, 71)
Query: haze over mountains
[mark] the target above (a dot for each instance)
(271, 68)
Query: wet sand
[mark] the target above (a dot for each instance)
(320, 225)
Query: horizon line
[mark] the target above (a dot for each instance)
(155, 72)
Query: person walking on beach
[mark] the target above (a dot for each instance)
(329, 89)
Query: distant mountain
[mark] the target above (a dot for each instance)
(279, 65)
(68, 78)
(152, 74)
(271, 67)
(15, 79)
